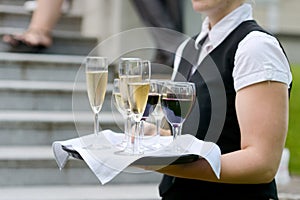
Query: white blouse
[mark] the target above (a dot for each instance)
(258, 58)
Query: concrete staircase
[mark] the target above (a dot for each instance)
(42, 100)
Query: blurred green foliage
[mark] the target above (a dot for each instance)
(293, 138)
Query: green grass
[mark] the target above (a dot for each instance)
(293, 138)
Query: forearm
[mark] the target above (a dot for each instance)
(239, 167)
(248, 166)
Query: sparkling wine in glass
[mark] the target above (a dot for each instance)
(134, 75)
(177, 101)
(96, 70)
(138, 95)
(124, 78)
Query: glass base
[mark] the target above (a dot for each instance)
(97, 147)
(97, 142)
(131, 149)
(122, 144)
(154, 143)
(156, 146)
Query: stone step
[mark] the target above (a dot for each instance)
(43, 128)
(44, 67)
(64, 42)
(95, 192)
(39, 67)
(24, 95)
(83, 192)
(39, 95)
(13, 2)
(21, 3)
(16, 16)
(35, 165)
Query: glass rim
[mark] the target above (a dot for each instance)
(96, 63)
(179, 83)
(130, 59)
(158, 80)
(96, 57)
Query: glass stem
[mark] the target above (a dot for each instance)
(176, 131)
(96, 124)
(136, 134)
(127, 126)
(136, 138)
(158, 122)
(142, 133)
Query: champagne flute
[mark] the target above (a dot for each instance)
(125, 78)
(134, 77)
(177, 101)
(151, 101)
(137, 96)
(96, 70)
(121, 107)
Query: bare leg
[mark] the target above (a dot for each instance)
(46, 15)
(43, 20)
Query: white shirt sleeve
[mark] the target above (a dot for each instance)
(259, 58)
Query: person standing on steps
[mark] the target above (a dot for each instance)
(46, 13)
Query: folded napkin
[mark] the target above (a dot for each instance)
(106, 164)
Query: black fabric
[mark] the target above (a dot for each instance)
(221, 58)
(191, 189)
(161, 14)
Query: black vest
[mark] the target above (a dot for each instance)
(214, 118)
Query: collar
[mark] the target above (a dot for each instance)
(225, 26)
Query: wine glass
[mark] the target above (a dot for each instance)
(157, 113)
(134, 75)
(124, 78)
(177, 101)
(153, 108)
(96, 70)
(121, 107)
(137, 97)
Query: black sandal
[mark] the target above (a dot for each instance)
(18, 43)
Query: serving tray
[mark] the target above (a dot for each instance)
(147, 160)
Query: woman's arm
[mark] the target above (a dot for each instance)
(262, 111)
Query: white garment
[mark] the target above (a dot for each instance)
(258, 58)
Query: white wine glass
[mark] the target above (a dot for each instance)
(124, 79)
(137, 96)
(96, 70)
(177, 101)
(134, 75)
(121, 107)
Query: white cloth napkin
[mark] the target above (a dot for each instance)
(106, 164)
